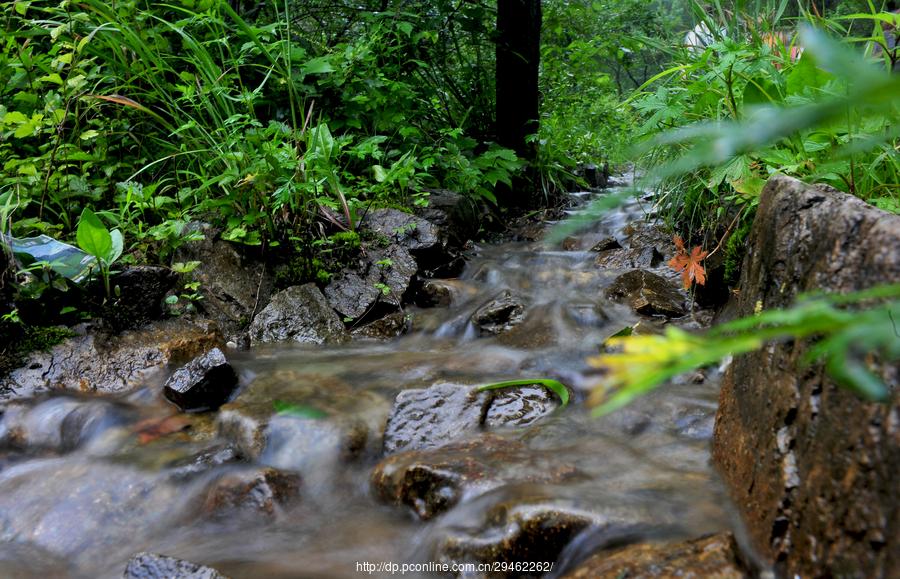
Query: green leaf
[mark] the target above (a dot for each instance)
(92, 235)
(117, 246)
(556, 387)
(320, 65)
(299, 410)
(380, 173)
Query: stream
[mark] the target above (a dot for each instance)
(105, 478)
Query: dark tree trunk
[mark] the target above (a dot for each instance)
(518, 100)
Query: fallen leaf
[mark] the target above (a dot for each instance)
(152, 428)
(688, 264)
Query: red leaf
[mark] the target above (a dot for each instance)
(152, 428)
(689, 264)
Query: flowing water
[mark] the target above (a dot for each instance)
(82, 508)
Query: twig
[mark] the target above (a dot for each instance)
(724, 235)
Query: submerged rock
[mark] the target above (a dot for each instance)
(433, 480)
(153, 566)
(204, 383)
(500, 314)
(714, 557)
(302, 422)
(59, 424)
(297, 314)
(98, 362)
(647, 293)
(254, 491)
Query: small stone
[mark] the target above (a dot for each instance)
(254, 491)
(647, 293)
(387, 328)
(606, 244)
(204, 383)
(153, 566)
(499, 314)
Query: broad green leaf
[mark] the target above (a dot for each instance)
(380, 173)
(556, 387)
(320, 65)
(117, 246)
(92, 235)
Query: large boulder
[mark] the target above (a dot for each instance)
(94, 361)
(713, 557)
(811, 466)
(297, 314)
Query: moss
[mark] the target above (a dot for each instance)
(735, 249)
(23, 340)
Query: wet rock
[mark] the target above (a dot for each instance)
(434, 416)
(387, 328)
(433, 480)
(323, 421)
(94, 361)
(417, 235)
(297, 314)
(204, 383)
(153, 566)
(254, 491)
(500, 314)
(139, 297)
(715, 557)
(606, 244)
(434, 293)
(377, 282)
(233, 285)
(633, 258)
(519, 406)
(533, 531)
(596, 176)
(456, 216)
(812, 467)
(647, 293)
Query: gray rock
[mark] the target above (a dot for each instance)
(94, 361)
(434, 416)
(456, 216)
(440, 414)
(204, 383)
(233, 286)
(812, 467)
(647, 293)
(153, 566)
(379, 279)
(297, 314)
(500, 314)
(414, 233)
(606, 244)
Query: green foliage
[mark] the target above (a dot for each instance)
(719, 122)
(848, 338)
(275, 123)
(552, 385)
(95, 239)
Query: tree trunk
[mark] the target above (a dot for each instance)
(518, 100)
